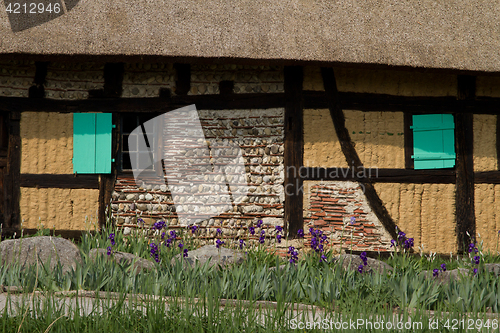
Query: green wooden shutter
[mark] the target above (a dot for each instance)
(92, 142)
(433, 141)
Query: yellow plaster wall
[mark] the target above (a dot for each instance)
(402, 83)
(313, 79)
(66, 209)
(321, 144)
(46, 143)
(425, 212)
(378, 137)
(485, 152)
(487, 206)
(488, 86)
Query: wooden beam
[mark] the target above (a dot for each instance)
(376, 175)
(408, 140)
(12, 191)
(487, 177)
(112, 105)
(69, 181)
(113, 87)
(347, 146)
(415, 104)
(312, 99)
(293, 153)
(37, 90)
(497, 143)
(183, 82)
(464, 140)
(107, 181)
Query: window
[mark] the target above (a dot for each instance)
(130, 143)
(92, 142)
(433, 141)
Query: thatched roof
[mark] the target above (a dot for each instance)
(451, 34)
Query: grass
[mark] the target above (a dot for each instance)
(352, 295)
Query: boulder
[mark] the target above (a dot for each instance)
(493, 268)
(216, 256)
(26, 251)
(124, 258)
(351, 262)
(446, 277)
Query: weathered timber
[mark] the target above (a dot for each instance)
(464, 140)
(293, 153)
(113, 87)
(498, 140)
(226, 87)
(312, 99)
(413, 104)
(376, 175)
(352, 158)
(206, 102)
(12, 191)
(183, 82)
(69, 181)
(37, 90)
(408, 140)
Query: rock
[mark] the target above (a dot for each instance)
(149, 197)
(211, 253)
(446, 277)
(124, 258)
(280, 267)
(26, 250)
(252, 209)
(493, 268)
(163, 188)
(131, 196)
(351, 262)
(127, 231)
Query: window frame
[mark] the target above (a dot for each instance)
(122, 154)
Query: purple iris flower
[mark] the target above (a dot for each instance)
(112, 238)
(300, 233)
(443, 267)
(435, 272)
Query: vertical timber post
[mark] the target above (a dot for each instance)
(113, 87)
(464, 139)
(12, 176)
(293, 151)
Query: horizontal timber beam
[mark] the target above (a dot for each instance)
(312, 100)
(205, 102)
(375, 175)
(68, 181)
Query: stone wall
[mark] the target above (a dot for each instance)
(16, 77)
(146, 80)
(259, 134)
(205, 79)
(70, 80)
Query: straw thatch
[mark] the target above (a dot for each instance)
(452, 34)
